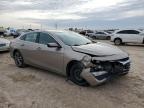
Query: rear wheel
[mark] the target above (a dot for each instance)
(19, 59)
(75, 72)
(118, 41)
(108, 37)
(93, 37)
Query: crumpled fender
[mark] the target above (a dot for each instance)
(90, 78)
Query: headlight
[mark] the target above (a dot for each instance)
(87, 58)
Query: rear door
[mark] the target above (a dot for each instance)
(135, 35)
(29, 47)
(124, 35)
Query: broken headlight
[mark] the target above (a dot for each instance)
(86, 60)
(102, 66)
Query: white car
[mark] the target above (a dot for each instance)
(127, 36)
(10, 32)
(4, 44)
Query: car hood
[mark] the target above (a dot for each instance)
(101, 50)
(2, 40)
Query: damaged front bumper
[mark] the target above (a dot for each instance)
(98, 73)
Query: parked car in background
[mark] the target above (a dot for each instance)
(86, 32)
(100, 35)
(127, 36)
(110, 31)
(81, 60)
(89, 32)
(4, 44)
(2, 30)
(10, 32)
(20, 31)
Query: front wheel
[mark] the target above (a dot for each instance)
(19, 59)
(123, 74)
(75, 73)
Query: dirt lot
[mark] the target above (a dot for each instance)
(35, 88)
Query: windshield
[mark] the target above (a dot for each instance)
(72, 39)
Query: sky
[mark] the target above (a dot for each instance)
(86, 14)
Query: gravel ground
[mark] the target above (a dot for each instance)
(35, 88)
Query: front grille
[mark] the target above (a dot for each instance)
(1, 45)
(117, 66)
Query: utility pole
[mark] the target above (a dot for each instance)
(56, 25)
(41, 27)
(30, 26)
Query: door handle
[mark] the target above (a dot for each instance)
(22, 45)
(39, 48)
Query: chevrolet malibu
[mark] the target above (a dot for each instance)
(83, 61)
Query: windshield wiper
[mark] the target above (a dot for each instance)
(81, 44)
(75, 45)
(87, 43)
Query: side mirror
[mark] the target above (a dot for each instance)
(52, 45)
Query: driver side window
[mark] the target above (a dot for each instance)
(45, 38)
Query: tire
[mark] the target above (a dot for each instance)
(87, 35)
(118, 41)
(123, 74)
(108, 38)
(75, 77)
(93, 37)
(19, 61)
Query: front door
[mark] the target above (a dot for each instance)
(49, 57)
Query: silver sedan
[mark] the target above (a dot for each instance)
(4, 44)
(83, 62)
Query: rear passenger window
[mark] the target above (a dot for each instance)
(31, 37)
(22, 37)
(45, 38)
(133, 32)
(100, 33)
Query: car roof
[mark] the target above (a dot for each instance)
(50, 31)
(102, 32)
(47, 31)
